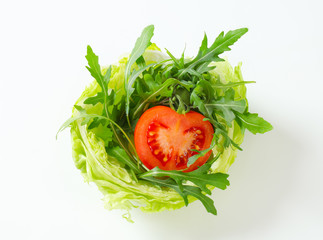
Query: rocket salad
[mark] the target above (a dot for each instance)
(158, 132)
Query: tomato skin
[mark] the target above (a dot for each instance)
(181, 130)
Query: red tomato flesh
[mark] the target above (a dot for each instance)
(164, 138)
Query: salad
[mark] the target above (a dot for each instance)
(157, 132)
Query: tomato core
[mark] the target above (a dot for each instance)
(166, 139)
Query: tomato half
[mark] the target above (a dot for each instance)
(164, 138)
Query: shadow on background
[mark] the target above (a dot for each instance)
(261, 179)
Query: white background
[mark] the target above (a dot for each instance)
(276, 187)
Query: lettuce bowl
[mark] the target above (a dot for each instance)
(98, 165)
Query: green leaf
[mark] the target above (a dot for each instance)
(204, 68)
(141, 62)
(130, 88)
(220, 85)
(182, 106)
(108, 99)
(199, 103)
(103, 80)
(253, 123)
(203, 48)
(87, 117)
(200, 178)
(168, 183)
(192, 159)
(140, 46)
(220, 45)
(95, 69)
(82, 115)
(175, 60)
(121, 155)
(207, 202)
(98, 98)
(187, 190)
(227, 106)
(163, 90)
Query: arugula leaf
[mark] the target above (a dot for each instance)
(206, 201)
(82, 115)
(192, 159)
(211, 54)
(162, 90)
(140, 46)
(177, 63)
(121, 155)
(95, 70)
(253, 123)
(200, 179)
(187, 190)
(98, 98)
(227, 106)
(199, 103)
(182, 107)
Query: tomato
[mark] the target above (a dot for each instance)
(164, 138)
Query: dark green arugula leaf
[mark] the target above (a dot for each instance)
(98, 98)
(205, 168)
(108, 98)
(161, 90)
(227, 106)
(200, 179)
(204, 68)
(134, 75)
(207, 202)
(199, 103)
(253, 123)
(177, 63)
(95, 69)
(140, 62)
(121, 155)
(187, 190)
(211, 54)
(181, 107)
(167, 183)
(192, 159)
(140, 46)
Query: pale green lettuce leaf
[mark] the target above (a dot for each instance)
(226, 73)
